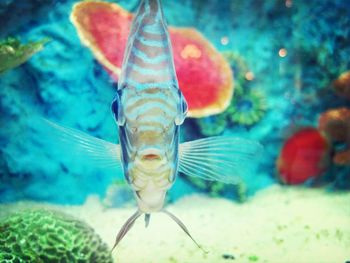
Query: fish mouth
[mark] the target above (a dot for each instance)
(150, 155)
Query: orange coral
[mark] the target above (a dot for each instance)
(342, 85)
(335, 124)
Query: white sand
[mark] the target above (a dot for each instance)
(280, 224)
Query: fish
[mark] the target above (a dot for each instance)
(149, 109)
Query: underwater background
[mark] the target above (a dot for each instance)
(290, 62)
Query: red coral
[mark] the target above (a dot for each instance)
(304, 155)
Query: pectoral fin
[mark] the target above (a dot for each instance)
(100, 152)
(224, 159)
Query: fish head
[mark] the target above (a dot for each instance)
(149, 121)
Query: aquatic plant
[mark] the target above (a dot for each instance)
(304, 155)
(335, 123)
(204, 76)
(13, 53)
(47, 236)
(248, 108)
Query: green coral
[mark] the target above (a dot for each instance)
(214, 188)
(212, 125)
(247, 109)
(13, 53)
(248, 106)
(48, 236)
(238, 65)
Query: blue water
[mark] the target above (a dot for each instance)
(64, 83)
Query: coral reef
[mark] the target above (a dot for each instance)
(304, 155)
(13, 53)
(204, 76)
(48, 236)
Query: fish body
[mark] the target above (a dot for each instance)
(149, 107)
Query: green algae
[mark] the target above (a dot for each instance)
(13, 53)
(47, 236)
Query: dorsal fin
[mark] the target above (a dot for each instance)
(152, 7)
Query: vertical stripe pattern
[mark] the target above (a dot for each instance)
(148, 72)
(148, 57)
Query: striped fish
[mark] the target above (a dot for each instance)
(149, 109)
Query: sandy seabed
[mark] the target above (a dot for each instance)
(278, 225)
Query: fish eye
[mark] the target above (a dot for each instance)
(114, 107)
(184, 106)
(117, 109)
(134, 129)
(182, 109)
